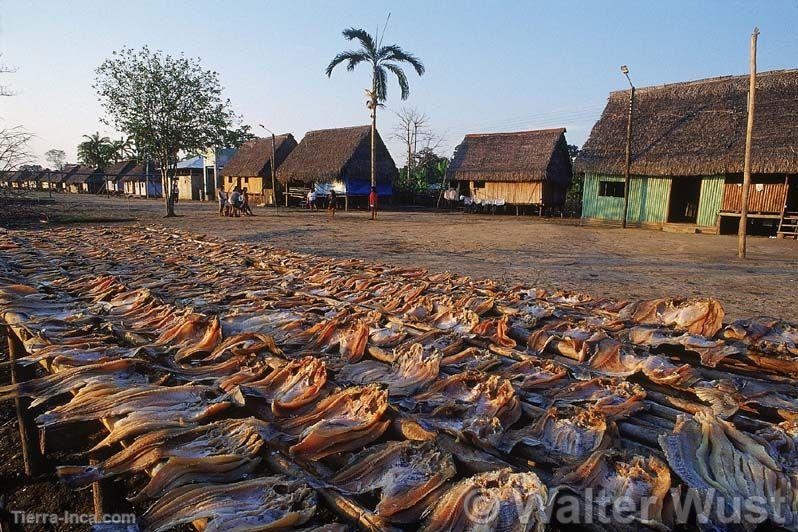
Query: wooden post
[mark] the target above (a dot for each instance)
(346, 201)
(628, 161)
(741, 233)
(97, 495)
(274, 170)
(27, 428)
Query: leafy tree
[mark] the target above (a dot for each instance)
(96, 151)
(166, 104)
(56, 158)
(234, 138)
(573, 198)
(381, 60)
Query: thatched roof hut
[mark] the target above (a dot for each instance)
(254, 157)
(698, 128)
(340, 156)
(524, 167)
(688, 146)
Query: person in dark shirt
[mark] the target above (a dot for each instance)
(332, 204)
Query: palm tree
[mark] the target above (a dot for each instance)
(123, 149)
(95, 151)
(381, 59)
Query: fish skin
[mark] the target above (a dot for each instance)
(503, 488)
(405, 473)
(411, 371)
(264, 503)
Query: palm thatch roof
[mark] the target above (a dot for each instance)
(522, 156)
(118, 170)
(327, 155)
(698, 128)
(254, 157)
(61, 176)
(84, 173)
(142, 171)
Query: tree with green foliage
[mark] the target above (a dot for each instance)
(168, 105)
(381, 60)
(573, 197)
(96, 151)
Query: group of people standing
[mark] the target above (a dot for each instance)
(235, 203)
(313, 198)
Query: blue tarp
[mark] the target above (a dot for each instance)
(354, 187)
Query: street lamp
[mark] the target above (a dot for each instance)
(628, 162)
(272, 164)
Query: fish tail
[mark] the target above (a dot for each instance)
(10, 391)
(79, 476)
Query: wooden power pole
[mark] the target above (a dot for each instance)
(741, 233)
(628, 154)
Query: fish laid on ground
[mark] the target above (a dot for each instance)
(710, 351)
(613, 398)
(294, 385)
(497, 500)
(562, 435)
(642, 482)
(495, 330)
(118, 373)
(141, 400)
(696, 316)
(186, 451)
(411, 371)
(727, 396)
(533, 373)
(405, 473)
(725, 464)
(472, 404)
(344, 421)
(194, 334)
(471, 358)
(267, 503)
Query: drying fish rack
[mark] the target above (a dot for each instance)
(34, 459)
(664, 404)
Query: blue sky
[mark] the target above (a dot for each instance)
(491, 66)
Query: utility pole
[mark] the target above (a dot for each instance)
(628, 161)
(741, 233)
(273, 165)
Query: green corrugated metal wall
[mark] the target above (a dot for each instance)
(648, 199)
(711, 200)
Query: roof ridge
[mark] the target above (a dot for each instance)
(547, 130)
(704, 81)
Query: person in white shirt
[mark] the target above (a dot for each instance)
(312, 199)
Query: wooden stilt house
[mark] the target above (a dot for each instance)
(688, 145)
(521, 168)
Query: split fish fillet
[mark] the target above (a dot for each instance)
(404, 472)
(472, 404)
(411, 371)
(292, 386)
(611, 475)
(344, 421)
(713, 457)
(497, 500)
(119, 373)
(267, 503)
(192, 445)
(696, 316)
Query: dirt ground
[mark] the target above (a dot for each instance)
(550, 253)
